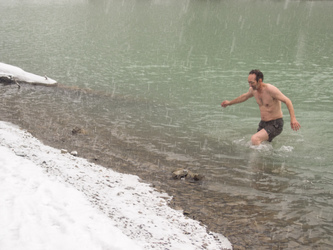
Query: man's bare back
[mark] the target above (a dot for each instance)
(269, 100)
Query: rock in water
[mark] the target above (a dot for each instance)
(188, 175)
(194, 177)
(179, 173)
(78, 130)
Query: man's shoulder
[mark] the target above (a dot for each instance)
(268, 85)
(273, 91)
(271, 88)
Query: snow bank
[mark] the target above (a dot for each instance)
(38, 212)
(20, 75)
(51, 200)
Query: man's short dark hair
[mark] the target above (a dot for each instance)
(258, 73)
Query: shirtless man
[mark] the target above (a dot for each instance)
(269, 99)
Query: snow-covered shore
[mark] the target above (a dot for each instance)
(50, 200)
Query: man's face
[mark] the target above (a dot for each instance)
(252, 81)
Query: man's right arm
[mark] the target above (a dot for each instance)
(239, 99)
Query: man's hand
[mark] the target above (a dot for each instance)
(225, 103)
(295, 124)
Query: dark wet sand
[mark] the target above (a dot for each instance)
(246, 225)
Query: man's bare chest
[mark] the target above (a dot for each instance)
(264, 99)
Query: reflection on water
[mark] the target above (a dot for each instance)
(145, 79)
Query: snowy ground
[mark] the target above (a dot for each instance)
(50, 200)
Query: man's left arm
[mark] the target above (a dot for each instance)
(276, 93)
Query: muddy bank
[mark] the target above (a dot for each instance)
(65, 119)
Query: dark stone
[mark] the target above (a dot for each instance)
(6, 79)
(186, 174)
(78, 130)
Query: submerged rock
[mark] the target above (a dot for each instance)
(194, 176)
(179, 173)
(78, 130)
(182, 173)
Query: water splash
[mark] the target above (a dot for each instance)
(287, 149)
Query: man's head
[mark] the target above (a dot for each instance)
(255, 78)
(258, 73)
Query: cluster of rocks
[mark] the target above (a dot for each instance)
(185, 174)
(75, 131)
(65, 151)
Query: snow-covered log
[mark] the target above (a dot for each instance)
(13, 74)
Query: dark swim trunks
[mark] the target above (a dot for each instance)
(273, 128)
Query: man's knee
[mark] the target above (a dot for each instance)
(259, 137)
(255, 140)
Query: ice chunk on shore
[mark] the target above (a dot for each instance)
(18, 74)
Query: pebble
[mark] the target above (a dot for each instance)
(74, 153)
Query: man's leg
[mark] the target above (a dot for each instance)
(259, 137)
